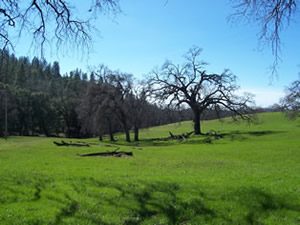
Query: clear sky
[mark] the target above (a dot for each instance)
(147, 33)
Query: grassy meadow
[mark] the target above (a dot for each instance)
(250, 176)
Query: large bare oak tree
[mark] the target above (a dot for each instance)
(190, 84)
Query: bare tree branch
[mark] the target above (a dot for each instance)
(272, 16)
(49, 21)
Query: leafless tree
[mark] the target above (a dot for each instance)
(115, 90)
(121, 85)
(189, 84)
(49, 20)
(96, 112)
(272, 15)
(139, 109)
(291, 102)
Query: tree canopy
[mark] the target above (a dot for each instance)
(190, 84)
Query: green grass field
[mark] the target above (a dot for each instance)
(251, 176)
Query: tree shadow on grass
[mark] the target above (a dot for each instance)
(161, 203)
(208, 138)
(13, 190)
(232, 136)
(257, 133)
(243, 135)
(149, 142)
(153, 203)
(68, 210)
(262, 204)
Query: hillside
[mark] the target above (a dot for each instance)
(250, 176)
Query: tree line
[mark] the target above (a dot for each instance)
(37, 99)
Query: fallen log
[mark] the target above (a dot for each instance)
(182, 136)
(214, 134)
(78, 144)
(172, 136)
(107, 154)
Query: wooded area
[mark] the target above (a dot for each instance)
(40, 100)
(36, 99)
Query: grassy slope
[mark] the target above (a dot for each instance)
(252, 176)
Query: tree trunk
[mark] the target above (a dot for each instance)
(196, 120)
(123, 120)
(100, 137)
(136, 133)
(5, 112)
(127, 135)
(111, 134)
(44, 129)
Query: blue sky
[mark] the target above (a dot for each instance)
(147, 33)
